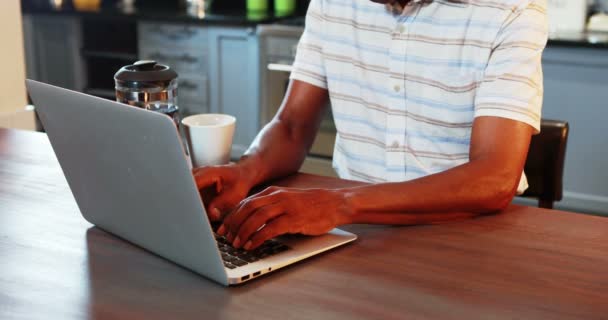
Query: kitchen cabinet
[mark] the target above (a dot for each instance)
(185, 49)
(218, 66)
(234, 66)
(52, 46)
(576, 83)
(218, 71)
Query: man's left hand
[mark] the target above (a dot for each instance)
(276, 211)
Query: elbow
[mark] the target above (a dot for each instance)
(499, 201)
(498, 195)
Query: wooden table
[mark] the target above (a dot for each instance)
(525, 263)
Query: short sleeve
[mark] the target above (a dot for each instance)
(309, 65)
(512, 86)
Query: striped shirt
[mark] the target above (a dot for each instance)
(405, 84)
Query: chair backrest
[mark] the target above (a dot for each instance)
(545, 163)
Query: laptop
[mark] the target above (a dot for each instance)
(128, 171)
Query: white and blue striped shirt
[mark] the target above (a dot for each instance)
(406, 86)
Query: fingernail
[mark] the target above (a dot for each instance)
(247, 245)
(236, 242)
(215, 212)
(229, 236)
(221, 230)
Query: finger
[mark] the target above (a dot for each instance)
(207, 177)
(228, 219)
(256, 221)
(273, 229)
(219, 207)
(233, 221)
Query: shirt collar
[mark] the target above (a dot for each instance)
(397, 8)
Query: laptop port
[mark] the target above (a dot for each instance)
(255, 274)
(243, 278)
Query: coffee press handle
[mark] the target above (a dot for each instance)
(145, 65)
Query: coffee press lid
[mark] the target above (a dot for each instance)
(145, 73)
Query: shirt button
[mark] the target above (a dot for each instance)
(402, 29)
(395, 144)
(397, 88)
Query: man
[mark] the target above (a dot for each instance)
(434, 101)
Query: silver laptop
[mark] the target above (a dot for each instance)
(129, 174)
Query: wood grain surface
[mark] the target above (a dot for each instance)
(525, 263)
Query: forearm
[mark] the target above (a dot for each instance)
(280, 148)
(471, 189)
(276, 152)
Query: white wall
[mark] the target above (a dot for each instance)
(13, 98)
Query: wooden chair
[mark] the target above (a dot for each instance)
(544, 166)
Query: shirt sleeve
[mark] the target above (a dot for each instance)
(512, 86)
(309, 65)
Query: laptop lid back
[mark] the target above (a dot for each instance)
(127, 169)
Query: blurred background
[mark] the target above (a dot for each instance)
(234, 57)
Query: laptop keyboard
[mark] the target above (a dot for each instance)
(234, 258)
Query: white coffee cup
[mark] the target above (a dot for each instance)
(209, 138)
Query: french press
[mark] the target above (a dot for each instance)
(148, 85)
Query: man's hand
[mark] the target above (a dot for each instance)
(278, 151)
(229, 183)
(276, 211)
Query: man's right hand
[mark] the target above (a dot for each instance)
(229, 185)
